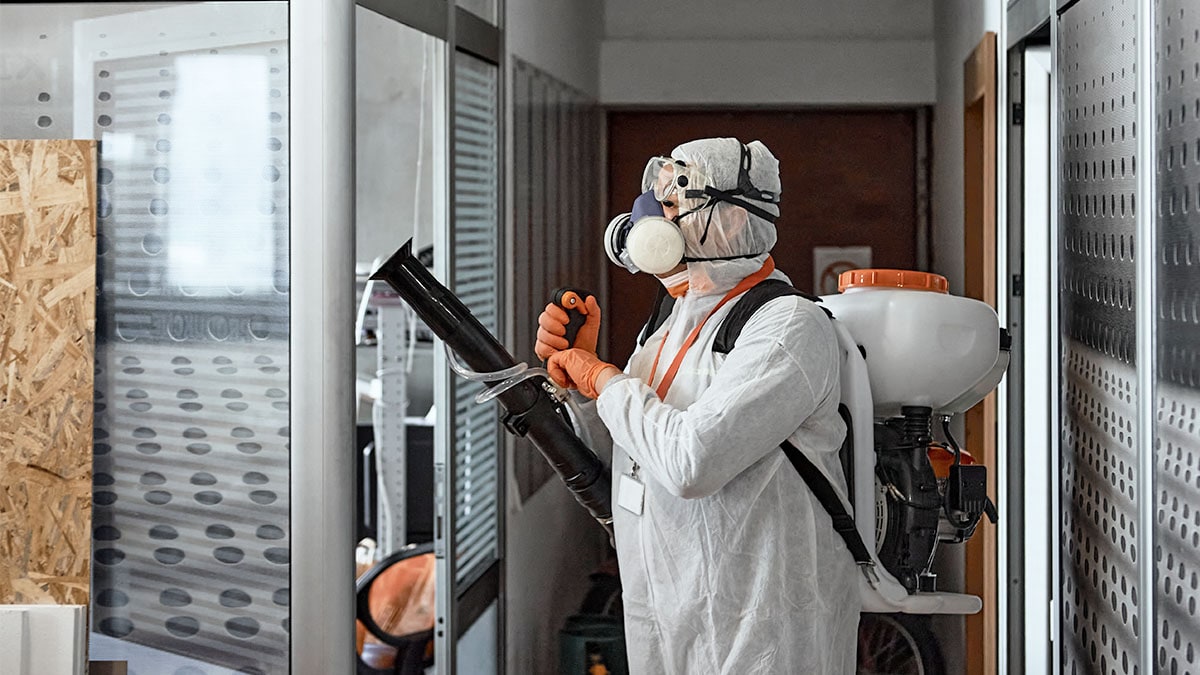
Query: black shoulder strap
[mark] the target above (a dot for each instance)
(663, 303)
(727, 335)
(750, 302)
(843, 522)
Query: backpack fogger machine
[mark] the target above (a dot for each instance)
(913, 356)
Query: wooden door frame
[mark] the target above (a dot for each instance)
(979, 282)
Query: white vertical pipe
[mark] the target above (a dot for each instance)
(321, 45)
(1145, 249)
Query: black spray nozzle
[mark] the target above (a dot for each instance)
(440, 309)
(539, 415)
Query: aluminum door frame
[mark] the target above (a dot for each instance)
(322, 313)
(1032, 374)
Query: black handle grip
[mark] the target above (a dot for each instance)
(572, 299)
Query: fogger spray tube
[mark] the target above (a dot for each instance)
(532, 411)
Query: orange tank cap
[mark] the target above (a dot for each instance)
(907, 279)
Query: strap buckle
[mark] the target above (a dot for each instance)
(870, 573)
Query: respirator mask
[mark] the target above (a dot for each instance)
(645, 240)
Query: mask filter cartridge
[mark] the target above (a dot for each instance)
(644, 240)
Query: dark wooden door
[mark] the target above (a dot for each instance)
(849, 179)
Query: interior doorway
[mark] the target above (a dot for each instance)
(850, 178)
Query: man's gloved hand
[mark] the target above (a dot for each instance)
(582, 370)
(552, 327)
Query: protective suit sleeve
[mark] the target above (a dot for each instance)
(601, 440)
(783, 368)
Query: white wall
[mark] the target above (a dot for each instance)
(769, 52)
(958, 27)
(552, 545)
(561, 37)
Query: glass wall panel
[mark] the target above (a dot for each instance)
(401, 141)
(190, 104)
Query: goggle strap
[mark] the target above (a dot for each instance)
(730, 197)
(707, 224)
(745, 187)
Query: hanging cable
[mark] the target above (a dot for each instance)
(425, 48)
(953, 445)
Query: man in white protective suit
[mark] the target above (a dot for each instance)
(729, 564)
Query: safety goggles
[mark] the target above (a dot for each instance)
(666, 176)
(675, 183)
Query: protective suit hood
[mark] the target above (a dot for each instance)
(724, 230)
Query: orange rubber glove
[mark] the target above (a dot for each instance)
(552, 327)
(579, 369)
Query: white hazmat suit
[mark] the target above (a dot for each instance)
(733, 565)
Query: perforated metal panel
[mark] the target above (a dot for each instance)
(1177, 440)
(1100, 593)
(1097, 211)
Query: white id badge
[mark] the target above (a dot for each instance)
(631, 494)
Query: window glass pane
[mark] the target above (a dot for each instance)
(190, 104)
(400, 129)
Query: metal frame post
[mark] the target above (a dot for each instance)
(321, 44)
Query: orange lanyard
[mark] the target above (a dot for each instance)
(743, 286)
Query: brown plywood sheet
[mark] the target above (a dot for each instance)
(47, 342)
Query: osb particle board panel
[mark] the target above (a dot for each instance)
(47, 336)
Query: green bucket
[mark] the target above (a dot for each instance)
(592, 644)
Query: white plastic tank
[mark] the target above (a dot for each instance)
(924, 347)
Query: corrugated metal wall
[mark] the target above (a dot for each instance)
(556, 233)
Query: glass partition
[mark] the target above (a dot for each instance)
(190, 105)
(401, 145)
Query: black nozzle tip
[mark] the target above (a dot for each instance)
(395, 260)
